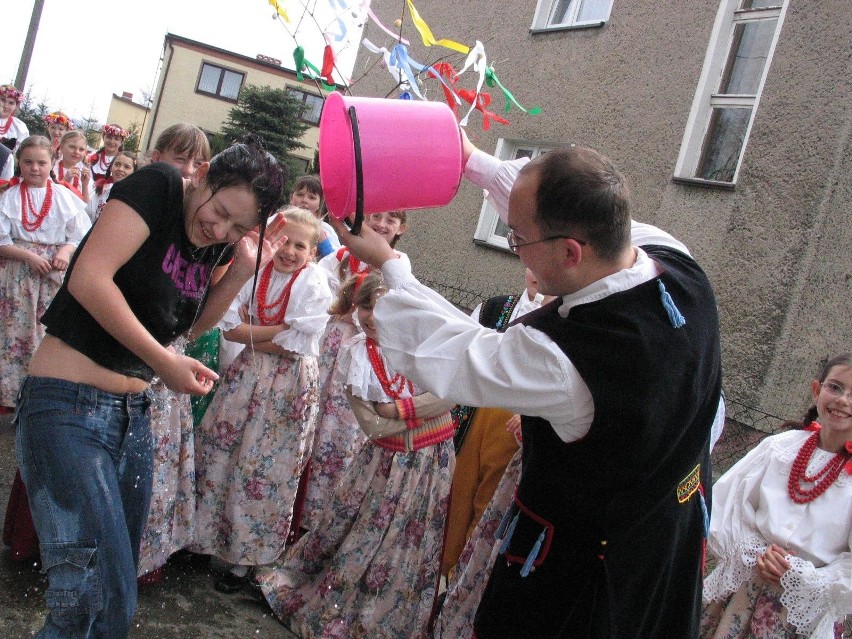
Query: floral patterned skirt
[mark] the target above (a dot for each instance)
(468, 580)
(251, 448)
(24, 297)
(170, 526)
(371, 566)
(754, 611)
(338, 438)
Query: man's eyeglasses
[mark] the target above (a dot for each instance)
(514, 246)
(836, 389)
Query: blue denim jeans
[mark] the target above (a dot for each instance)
(85, 457)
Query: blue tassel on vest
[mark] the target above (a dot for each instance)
(704, 514)
(508, 538)
(504, 522)
(528, 564)
(675, 316)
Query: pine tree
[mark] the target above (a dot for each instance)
(33, 115)
(272, 115)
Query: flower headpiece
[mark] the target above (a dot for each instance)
(58, 117)
(9, 91)
(114, 129)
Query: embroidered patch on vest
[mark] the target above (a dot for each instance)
(689, 485)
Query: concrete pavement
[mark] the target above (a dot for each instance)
(185, 606)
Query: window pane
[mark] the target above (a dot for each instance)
(209, 80)
(231, 85)
(593, 10)
(748, 55)
(313, 108)
(501, 229)
(723, 144)
(561, 13)
(760, 4)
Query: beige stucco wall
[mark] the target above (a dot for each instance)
(127, 114)
(776, 248)
(177, 101)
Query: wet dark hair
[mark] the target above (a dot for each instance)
(249, 164)
(581, 192)
(843, 359)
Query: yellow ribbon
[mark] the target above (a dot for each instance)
(280, 11)
(426, 33)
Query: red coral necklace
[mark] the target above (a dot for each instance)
(393, 387)
(30, 220)
(824, 478)
(4, 129)
(265, 312)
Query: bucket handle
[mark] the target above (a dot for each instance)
(359, 174)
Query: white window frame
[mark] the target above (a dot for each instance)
(488, 217)
(543, 9)
(706, 96)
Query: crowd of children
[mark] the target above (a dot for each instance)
(315, 473)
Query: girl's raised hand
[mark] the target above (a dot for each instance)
(183, 374)
(245, 251)
(514, 427)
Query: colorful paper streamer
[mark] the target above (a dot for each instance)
(492, 80)
(280, 11)
(426, 33)
(315, 74)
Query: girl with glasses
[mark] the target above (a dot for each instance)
(781, 525)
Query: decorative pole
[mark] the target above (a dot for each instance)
(29, 43)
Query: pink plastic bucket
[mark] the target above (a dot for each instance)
(410, 151)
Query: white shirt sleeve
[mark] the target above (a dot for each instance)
(495, 176)
(307, 313)
(8, 169)
(332, 236)
(6, 213)
(329, 264)
(231, 319)
(446, 352)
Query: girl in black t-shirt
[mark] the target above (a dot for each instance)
(140, 278)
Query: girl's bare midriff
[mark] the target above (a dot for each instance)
(54, 358)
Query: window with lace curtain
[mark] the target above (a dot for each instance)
(723, 111)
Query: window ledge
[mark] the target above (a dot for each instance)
(706, 184)
(217, 96)
(487, 244)
(570, 27)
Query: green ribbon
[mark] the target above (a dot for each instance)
(302, 63)
(492, 80)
